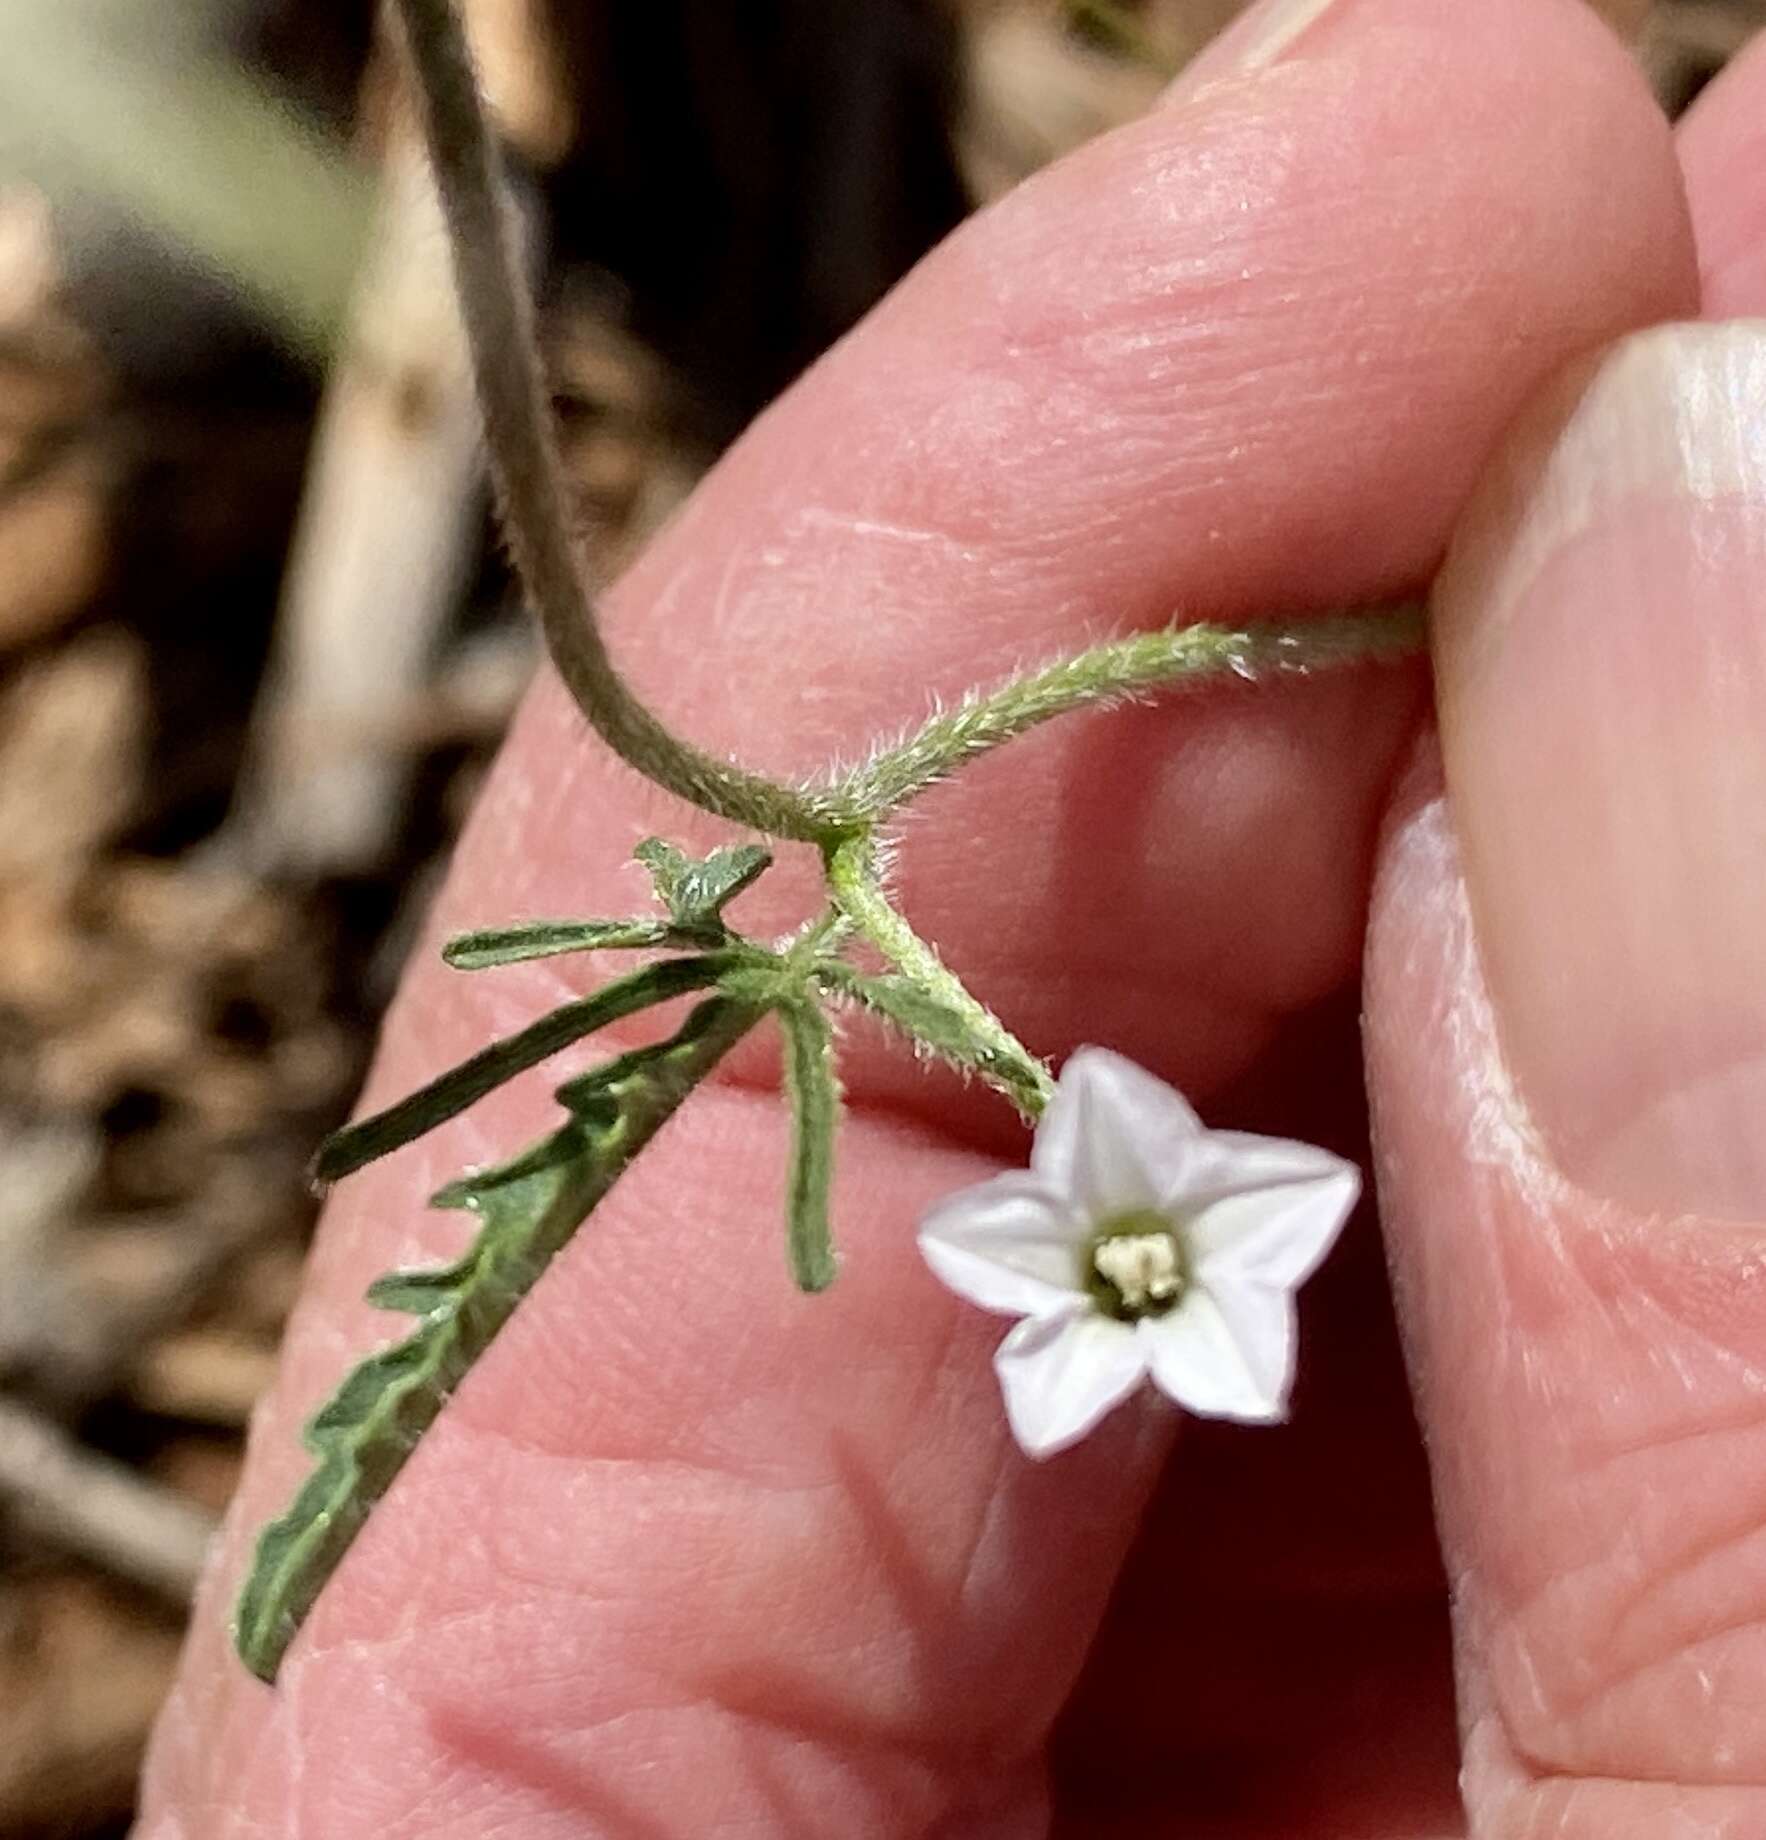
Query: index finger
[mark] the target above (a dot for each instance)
(688, 1548)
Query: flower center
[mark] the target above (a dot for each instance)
(1135, 1266)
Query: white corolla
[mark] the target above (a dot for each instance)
(1139, 1243)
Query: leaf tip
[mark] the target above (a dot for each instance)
(814, 1274)
(462, 1192)
(328, 1164)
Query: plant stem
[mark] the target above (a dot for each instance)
(997, 1054)
(1108, 673)
(523, 446)
(933, 1028)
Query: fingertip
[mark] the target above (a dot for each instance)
(1722, 145)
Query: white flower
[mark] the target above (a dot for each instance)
(1140, 1243)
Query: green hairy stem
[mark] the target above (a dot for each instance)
(986, 1044)
(535, 505)
(1118, 669)
(529, 1208)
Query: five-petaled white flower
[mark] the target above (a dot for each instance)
(1139, 1242)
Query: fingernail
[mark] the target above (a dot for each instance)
(1258, 37)
(1601, 633)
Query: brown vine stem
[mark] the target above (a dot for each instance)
(523, 447)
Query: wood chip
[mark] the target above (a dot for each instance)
(71, 752)
(82, 1675)
(89, 1505)
(205, 1376)
(53, 537)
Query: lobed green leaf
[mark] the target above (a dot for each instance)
(696, 890)
(528, 1209)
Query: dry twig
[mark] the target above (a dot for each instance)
(101, 1510)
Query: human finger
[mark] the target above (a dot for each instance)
(679, 1515)
(1566, 1037)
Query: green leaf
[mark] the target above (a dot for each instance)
(357, 1144)
(510, 945)
(813, 1088)
(593, 1093)
(417, 1293)
(696, 891)
(935, 1026)
(528, 1209)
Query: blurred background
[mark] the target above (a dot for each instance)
(256, 645)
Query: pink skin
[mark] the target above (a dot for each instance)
(1588, 1370)
(690, 1554)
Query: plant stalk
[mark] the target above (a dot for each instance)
(1109, 673)
(523, 446)
(998, 1055)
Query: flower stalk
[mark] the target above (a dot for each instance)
(992, 1050)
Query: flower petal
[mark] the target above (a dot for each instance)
(1278, 1231)
(1217, 1365)
(1061, 1374)
(1114, 1138)
(1008, 1245)
(1236, 1161)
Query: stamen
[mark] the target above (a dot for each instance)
(1137, 1267)
(1144, 1269)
